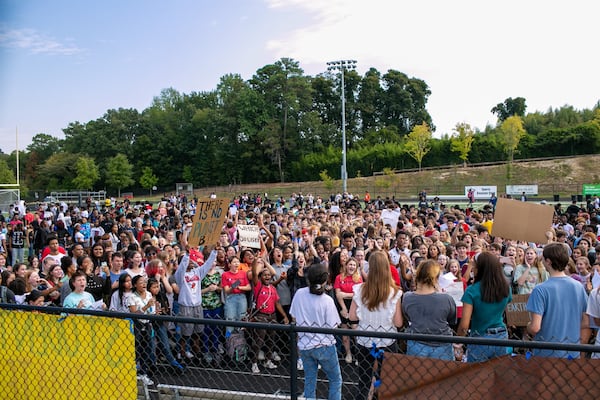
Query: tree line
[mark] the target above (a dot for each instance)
(283, 126)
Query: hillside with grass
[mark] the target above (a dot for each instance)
(562, 176)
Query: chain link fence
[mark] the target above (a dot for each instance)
(99, 355)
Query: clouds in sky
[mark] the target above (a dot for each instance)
(472, 54)
(60, 65)
(36, 42)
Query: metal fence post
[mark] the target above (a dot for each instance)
(293, 361)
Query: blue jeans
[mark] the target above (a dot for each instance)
(443, 351)
(160, 331)
(18, 255)
(235, 308)
(212, 333)
(327, 357)
(481, 352)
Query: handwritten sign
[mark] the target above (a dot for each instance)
(456, 291)
(516, 310)
(249, 236)
(207, 222)
(390, 217)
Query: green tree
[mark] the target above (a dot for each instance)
(369, 100)
(58, 172)
(148, 180)
(287, 94)
(187, 175)
(119, 172)
(327, 180)
(87, 173)
(462, 140)
(511, 133)
(403, 101)
(418, 142)
(6, 174)
(509, 108)
(44, 146)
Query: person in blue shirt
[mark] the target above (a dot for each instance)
(558, 306)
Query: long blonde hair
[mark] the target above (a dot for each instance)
(376, 290)
(542, 273)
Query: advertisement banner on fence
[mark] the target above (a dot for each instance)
(593, 189)
(79, 357)
(207, 222)
(517, 190)
(482, 192)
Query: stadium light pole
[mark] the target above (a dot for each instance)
(341, 66)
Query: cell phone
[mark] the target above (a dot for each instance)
(235, 284)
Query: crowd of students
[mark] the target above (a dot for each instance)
(378, 275)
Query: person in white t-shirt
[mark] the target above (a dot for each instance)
(311, 308)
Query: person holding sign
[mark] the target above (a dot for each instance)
(188, 277)
(483, 307)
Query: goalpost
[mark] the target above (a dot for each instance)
(9, 194)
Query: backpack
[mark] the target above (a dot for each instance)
(236, 346)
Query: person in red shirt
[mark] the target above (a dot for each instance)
(266, 302)
(343, 284)
(53, 249)
(235, 284)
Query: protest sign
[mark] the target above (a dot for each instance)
(519, 220)
(249, 236)
(516, 310)
(207, 222)
(390, 217)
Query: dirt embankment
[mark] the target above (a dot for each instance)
(562, 176)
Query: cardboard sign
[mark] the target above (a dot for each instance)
(519, 220)
(516, 310)
(207, 222)
(249, 236)
(390, 217)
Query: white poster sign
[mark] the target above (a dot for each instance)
(390, 217)
(249, 236)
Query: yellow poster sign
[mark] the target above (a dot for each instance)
(52, 357)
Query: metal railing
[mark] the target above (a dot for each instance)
(88, 351)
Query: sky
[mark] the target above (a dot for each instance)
(65, 61)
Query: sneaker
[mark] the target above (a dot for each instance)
(255, 369)
(207, 357)
(178, 367)
(270, 365)
(348, 358)
(276, 357)
(299, 365)
(145, 380)
(221, 349)
(189, 355)
(261, 355)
